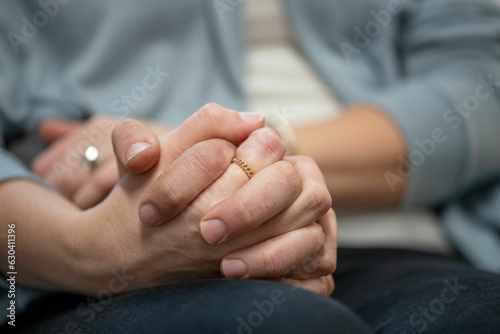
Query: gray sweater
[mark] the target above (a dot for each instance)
(433, 66)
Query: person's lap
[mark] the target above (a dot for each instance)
(392, 291)
(209, 306)
(397, 291)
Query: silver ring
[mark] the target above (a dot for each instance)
(91, 158)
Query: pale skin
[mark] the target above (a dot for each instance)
(354, 164)
(354, 151)
(62, 246)
(83, 188)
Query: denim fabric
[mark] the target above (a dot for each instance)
(208, 306)
(399, 291)
(391, 291)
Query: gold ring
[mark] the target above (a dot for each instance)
(244, 166)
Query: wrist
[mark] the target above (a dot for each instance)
(103, 240)
(91, 252)
(43, 233)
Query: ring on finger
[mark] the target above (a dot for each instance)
(91, 157)
(244, 166)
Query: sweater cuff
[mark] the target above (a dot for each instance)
(437, 147)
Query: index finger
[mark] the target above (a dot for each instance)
(277, 203)
(210, 122)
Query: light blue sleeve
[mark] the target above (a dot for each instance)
(448, 108)
(448, 103)
(12, 168)
(473, 224)
(434, 67)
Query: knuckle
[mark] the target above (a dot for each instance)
(318, 199)
(270, 143)
(317, 266)
(212, 156)
(211, 113)
(247, 215)
(308, 267)
(289, 176)
(313, 240)
(325, 262)
(171, 197)
(315, 237)
(271, 263)
(221, 151)
(327, 265)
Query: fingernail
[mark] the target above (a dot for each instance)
(149, 214)
(213, 231)
(135, 149)
(251, 117)
(234, 268)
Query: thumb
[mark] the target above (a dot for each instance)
(53, 129)
(136, 147)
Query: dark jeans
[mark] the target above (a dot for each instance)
(389, 291)
(397, 291)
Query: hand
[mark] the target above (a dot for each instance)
(60, 241)
(155, 255)
(61, 164)
(192, 173)
(176, 251)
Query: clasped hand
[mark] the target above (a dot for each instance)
(182, 210)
